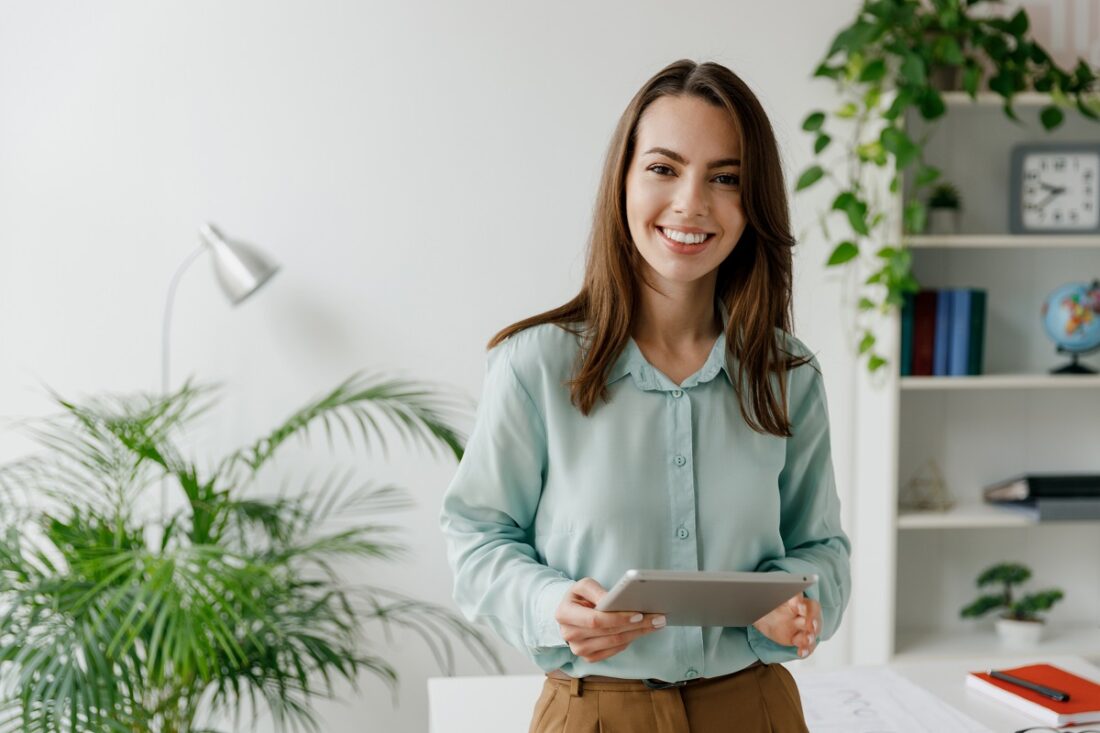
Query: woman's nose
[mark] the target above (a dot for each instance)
(691, 198)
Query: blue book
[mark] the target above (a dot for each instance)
(942, 343)
(958, 353)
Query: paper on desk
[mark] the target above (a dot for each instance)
(875, 700)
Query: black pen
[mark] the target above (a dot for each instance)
(1056, 695)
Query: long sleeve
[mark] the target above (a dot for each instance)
(810, 512)
(488, 515)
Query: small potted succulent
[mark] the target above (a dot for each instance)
(1019, 623)
(944, 207)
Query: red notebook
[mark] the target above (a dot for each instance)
(1083, 705)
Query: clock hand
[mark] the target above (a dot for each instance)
(1042, 204)
(1055, 189)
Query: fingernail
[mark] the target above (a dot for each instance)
(660, 621)
(812, 638)
(817, 626)
(803, 653)
(636, 618)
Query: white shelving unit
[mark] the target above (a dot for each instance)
(915, 570)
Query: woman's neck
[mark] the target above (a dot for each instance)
(681, 317)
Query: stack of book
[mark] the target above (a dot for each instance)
(943, 332)
(1049, 497)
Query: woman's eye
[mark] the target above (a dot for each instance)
(654, 168)
(730, 179)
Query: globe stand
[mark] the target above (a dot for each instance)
(1075, 366)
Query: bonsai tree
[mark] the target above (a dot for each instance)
(1026, 608)
(944, 196)
(891, 59)
(121, 614)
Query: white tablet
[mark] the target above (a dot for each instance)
(704, 597)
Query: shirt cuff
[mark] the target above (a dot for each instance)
(545, 632)
(768, 651)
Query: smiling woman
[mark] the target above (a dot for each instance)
(665, 418)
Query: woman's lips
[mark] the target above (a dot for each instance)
(680, 247)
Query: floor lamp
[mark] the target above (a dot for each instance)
(240, 268)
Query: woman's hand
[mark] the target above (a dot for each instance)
(596, 635)
(796, 623)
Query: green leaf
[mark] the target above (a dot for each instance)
(813, 121)
(926, 174)
(895, 141)
(875, 363)
(931, 104)
(947, 50)
(912, 70)
(809, 177)
(901, 100)
(1019, 24)
(914, 217)
(865, 304)
(866, 342)
(821, 142)
(844, 252)
(972, 76)
(847, 111)
(874, 71)
(1051, 116)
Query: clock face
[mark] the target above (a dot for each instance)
(1060, 191)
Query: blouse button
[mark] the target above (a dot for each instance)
(679, 460)
(677, 393)
(691, 673)
(682, 533)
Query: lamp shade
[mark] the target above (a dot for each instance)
(240, 267)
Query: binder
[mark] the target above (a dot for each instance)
(941, 349)
(1034, 486)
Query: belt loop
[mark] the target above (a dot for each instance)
(576, 687)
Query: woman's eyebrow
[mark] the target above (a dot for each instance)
(680, 159)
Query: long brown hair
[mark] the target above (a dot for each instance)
(754, 281)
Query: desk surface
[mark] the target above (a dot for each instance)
(489, 704)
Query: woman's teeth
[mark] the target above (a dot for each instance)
(684, 237)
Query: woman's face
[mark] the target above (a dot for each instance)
(684, 182)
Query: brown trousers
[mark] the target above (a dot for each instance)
(762, 699)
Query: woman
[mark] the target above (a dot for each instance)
(665, 418)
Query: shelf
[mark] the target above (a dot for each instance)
(913, 644)
(1002, 241)
(1003, 381)
(963, 516)
(992, 99)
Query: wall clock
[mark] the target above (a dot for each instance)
(1054, 188)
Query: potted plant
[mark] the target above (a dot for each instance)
(1018, 623)
(944, 207)
(895, 57)
(121, 613)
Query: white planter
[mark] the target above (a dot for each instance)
(1019, 634)
(943, 221)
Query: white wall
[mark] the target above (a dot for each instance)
(424, 171)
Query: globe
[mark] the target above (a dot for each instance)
(1071, 318)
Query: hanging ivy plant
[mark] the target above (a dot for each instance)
(896, 56)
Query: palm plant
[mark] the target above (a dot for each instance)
(117, 618)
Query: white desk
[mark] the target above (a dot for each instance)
(504, 704)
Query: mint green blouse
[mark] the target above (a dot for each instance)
(664, 476)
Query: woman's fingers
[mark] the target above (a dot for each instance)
(595, 648)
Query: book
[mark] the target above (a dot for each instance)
(908, 304)
(958, 353)
(1054, 509)
(924, 332)
(1083, 705)
(1033, 486)
(941, 350)
(976, 347)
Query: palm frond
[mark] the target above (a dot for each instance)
(417, 412)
